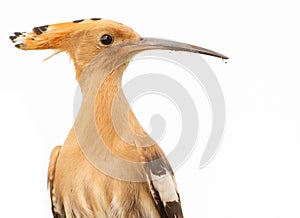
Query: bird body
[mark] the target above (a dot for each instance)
(85, 191)
(108, 166)
(78, 189)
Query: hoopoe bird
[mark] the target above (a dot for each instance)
(108, 165)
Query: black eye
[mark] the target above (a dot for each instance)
(106, 39)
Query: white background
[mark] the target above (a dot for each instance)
(256, 171)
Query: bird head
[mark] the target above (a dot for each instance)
(83, 40)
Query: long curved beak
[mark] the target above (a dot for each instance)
(162, 44)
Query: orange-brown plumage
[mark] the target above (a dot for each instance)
(101, 51)
(79, 39)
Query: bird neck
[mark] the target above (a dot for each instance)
(112, 116)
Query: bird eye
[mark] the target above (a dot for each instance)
(106, 39)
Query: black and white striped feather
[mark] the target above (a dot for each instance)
(163, 188)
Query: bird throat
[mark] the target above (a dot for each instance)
(106, 127)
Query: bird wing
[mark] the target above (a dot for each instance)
(163, 187)
(51, 175)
